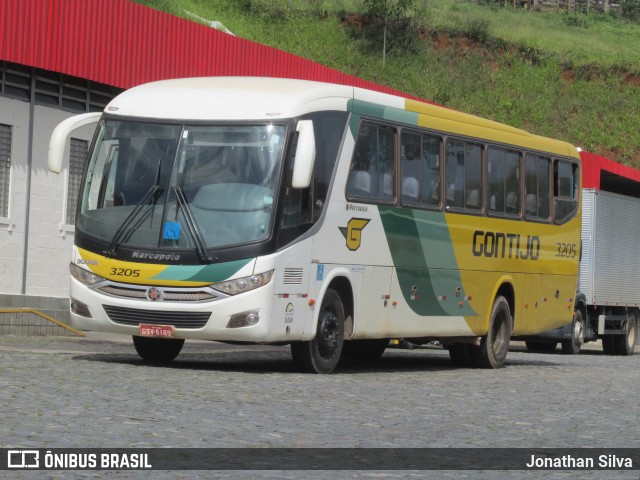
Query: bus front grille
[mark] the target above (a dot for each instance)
(139, 292)
(134, 317)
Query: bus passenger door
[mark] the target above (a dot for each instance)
(373, 305)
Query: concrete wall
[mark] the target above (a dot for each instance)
(49, 238)
(12, 228)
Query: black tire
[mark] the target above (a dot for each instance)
(626, 344)
(365, 349)
(460, 354)
(321, 355)
(546, 347)
(572, 346)
(157, 350)
(493, 348)
(609, 344)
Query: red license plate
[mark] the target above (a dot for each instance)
(156, 330)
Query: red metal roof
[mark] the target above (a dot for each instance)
(594, 165)
(123, 44)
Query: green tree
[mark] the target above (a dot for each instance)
(390, 26)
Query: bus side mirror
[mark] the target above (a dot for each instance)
(61, 133)
(305, 155)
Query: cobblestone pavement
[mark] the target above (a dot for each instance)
(61, 392)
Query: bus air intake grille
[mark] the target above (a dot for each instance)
(134, 317)
(293, 276)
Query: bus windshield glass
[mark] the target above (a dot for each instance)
(152, 185)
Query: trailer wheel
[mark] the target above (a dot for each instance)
(321, 355)
(365, 349)
(157, 350)
(626, 344)
(494, 346)
(460, 354)
(609, 344)
(571, 346)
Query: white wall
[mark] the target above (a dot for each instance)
(16, 114)
(50, 240)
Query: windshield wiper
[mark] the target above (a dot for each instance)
(191, 225)
(152, 194)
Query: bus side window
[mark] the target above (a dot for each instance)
(431, 170)
(464, 175)
(473, 177)
(565, 190)
(372, 174)
(536, 187)
(301, 208)
(295, 210)
(512, 183)
(420, 169)
(455, 174)
(496, 160)
(503, 170)
(410, 167)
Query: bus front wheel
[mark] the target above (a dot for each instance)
(493, 348)
(157, 350)
(321, 355)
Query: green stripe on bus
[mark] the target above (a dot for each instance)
(401, 116)
(425, 261)
(206, 273)
(358, 107)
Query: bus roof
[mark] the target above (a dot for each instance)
(262, 98)
(228, 98)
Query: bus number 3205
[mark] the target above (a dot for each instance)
(125, 272)
(567, 250)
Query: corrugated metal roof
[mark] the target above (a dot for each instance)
(123, 44)
(594, 165)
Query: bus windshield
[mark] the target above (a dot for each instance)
(152, 185)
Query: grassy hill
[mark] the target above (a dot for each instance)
(566, 75)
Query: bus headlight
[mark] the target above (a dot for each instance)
(84, 276)
(244, 284)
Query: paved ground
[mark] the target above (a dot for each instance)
(60, 392)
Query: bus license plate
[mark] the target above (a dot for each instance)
(156, 330)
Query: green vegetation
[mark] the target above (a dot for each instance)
(572, 76)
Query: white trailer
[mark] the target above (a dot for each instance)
(608, 298)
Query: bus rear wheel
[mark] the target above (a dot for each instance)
(321, 355)
(493, 348)
(157, 350)
(460, 354)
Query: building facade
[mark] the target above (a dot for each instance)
(63, 57)
(37, 208)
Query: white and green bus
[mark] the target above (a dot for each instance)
(325, 217)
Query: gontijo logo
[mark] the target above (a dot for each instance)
(353, 232)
